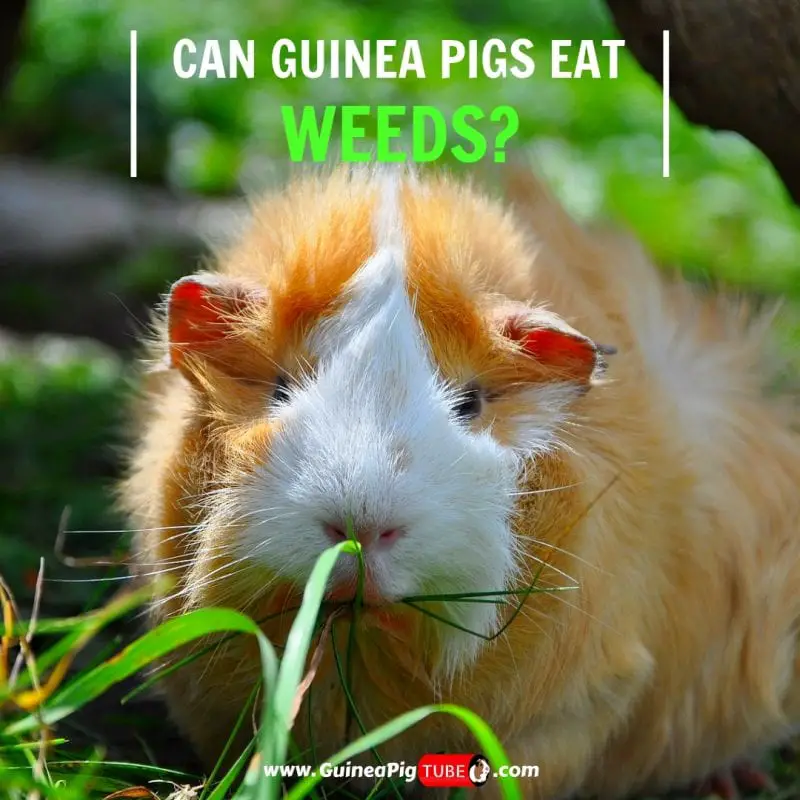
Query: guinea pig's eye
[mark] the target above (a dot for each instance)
(280, 394)
(469, 403)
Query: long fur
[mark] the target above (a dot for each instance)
(663, 500)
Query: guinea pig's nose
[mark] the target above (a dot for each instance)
(369, 537)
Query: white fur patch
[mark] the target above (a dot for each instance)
(372, 437)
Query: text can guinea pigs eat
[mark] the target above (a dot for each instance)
(435, 366)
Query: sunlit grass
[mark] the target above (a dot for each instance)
(40, 695)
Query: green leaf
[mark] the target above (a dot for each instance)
(279, 704)
(489, 744)
(163, 639)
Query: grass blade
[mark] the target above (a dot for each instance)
(153, 645)
(489, 744)
(279, 703)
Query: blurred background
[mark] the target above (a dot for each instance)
(85, 250)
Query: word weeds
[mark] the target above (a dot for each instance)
(308, 134)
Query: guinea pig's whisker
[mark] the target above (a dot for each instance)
(111, 578)
(583, 611)
(173, 566)
(202, 584)
(263, 590)
(183, 532)
(265, 510)
(569, 553)
(201, 503)
(536, 618)
(176, 560)
(521, 550)
(209, 578)
(104, 579)
(284, 516)
(206, 493)
(547, 565)
(546, 490)
(130, 530)
(215, 654)
(180, 537)
(190, 558)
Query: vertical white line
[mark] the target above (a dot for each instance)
(133, 104)
(665, 108)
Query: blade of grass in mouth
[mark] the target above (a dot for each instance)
(357, 603)
(486, 637)
(352, 710)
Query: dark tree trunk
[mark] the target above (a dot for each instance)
(734, 65)
(12, 16)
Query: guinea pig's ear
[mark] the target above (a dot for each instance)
(202, 312)
(544, 336)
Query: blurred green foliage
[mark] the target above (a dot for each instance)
(723, 211)
(59, 434)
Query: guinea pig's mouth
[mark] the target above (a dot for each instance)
(384, 617)
(374, 608)
(347, 591)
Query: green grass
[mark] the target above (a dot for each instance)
(34, 700)
(60, 421)
(39, 697)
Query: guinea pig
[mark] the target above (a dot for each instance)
(490, 396)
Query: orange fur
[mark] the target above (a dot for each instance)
(674, 502)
